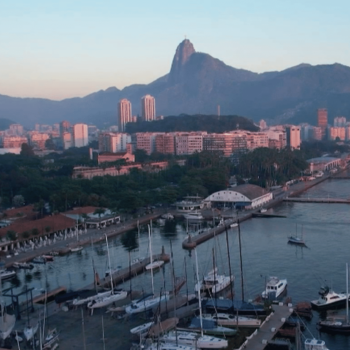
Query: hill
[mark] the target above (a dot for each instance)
(196, 84)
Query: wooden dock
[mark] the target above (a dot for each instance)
(318, 200)
(269, 328)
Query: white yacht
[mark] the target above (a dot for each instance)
(107, 300)
(328, 299)
(193, 339)
(213, 283)
(229, 320)
(143, 328)
(6, 274)
(145, 303)
(194, 215)
(154, 265)
(315, 344)
(274, 288)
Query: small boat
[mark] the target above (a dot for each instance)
(23, 265)
(107, 300)
(229, 320)
(303, 309)
(167, 346)
(145, 303)
(76, 249)
(167, 216)
(29, 331)
(296, 240)
(154, 265)
(51, 339)
(194, 215)
(263, 210)
(315, 344)
(214, 283)
(235, 224)
(192, 339)
(329, 299)
(7, 274)
(142, 328)
(39, 260)
(274, 288)
(334, 324)
(48, 257)
(210, 327)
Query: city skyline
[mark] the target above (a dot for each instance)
(53, 52)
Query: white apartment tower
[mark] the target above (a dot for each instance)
(80, 135)
(148, 108)
(124, 113)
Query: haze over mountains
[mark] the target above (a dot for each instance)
(197, 83)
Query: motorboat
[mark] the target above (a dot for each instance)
(194, 215)
(274, 288)
(79, 248)
(145, 303)
(154, 265)
(23, 265)
(213, 283)
(103, 301)
(229, 320)
(235, 224)
(39, 260)
(328, 299)
(48, 257)
(192, 339)
(315, 344)
(7, 274)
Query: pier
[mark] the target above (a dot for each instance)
(268, 329)
(317, 200)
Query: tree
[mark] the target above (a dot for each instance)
(49, 144)
(35, 231)
(47, 229)
(99, 212)
(18, 201)
(11, 235)
(25, 234)
(26, 150)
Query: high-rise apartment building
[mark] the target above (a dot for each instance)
(322, 120)
(64, 127)
(124, 113)
(339, 121)
(337, 133)
(80, 135)
(293, 136)
(148, 108)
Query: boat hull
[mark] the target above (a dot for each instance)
(337, 328)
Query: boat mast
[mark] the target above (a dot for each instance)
(150, 256)
(347, 293)
(199, 294)
(110, 266)
(240, 258)
(229, 263)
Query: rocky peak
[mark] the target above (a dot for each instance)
(182, 54)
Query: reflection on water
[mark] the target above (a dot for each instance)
(264, 248)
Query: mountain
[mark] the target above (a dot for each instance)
(196, 84)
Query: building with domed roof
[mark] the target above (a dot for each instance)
(245, 196)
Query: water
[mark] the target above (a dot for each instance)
(325, 228)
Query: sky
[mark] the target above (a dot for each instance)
(70, 48)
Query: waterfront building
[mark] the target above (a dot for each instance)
(323, 163)
(80, 135)
(293, 136)
(148, 108)
(245, 196)
(322, 120)
(124, 114)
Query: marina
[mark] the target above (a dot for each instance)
(325, 229)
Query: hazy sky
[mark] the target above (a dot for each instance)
(66, 48)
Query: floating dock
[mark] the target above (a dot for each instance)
(318, 200)
(268, 329)
(47, 297)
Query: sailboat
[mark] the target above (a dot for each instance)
(7, 321)
(153, 264)
(203, 341)
(334, 324)
(295, 239)
(113, 296)
(29, 331)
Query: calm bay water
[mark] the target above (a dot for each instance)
(325, 228)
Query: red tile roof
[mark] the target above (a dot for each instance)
(82, 210)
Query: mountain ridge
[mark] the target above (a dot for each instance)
(196, 84)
